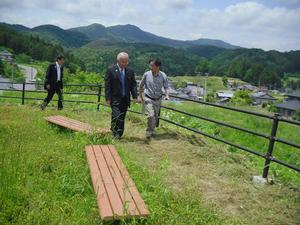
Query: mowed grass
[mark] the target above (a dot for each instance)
(184, 179)
(282, 152)
(45, 177)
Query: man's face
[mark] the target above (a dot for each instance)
(123, 62)
(61, 61)
(153, 67)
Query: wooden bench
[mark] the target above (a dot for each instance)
(75, 125)
(117, 195)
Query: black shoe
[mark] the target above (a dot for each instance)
(43, 106)
(148, 139)
(117, 136)
(60, 108)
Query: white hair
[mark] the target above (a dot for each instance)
(122, 55)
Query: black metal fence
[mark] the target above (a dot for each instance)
(24, 91)
(272, 138)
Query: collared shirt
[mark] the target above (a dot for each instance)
(154, 85)
(58, 71)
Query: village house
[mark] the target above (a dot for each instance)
(290, 105)
(247, 87)
(6, 56)
(224, 96)
(261, 97)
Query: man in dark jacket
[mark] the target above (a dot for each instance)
(54, 82)
(119, 84)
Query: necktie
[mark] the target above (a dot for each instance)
(123, 82)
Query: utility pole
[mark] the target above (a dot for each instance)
(205, 86)
(12, 75)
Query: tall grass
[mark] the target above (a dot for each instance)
(44, 176)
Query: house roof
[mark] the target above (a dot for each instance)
(291, 105)
(6, 53)
(225, 94)
(262, 95)
(247, 86)
(224, 99)
(294, 94)
(182, 95)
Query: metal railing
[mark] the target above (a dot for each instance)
(272, 138)
(268, 156)
(24, 91)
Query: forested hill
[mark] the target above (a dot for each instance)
(255, 65)
(35, 47)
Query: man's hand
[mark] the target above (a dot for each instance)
(136, 100)
(48, 86)
(140, 99)
(108, 102)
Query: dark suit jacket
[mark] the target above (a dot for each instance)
(51, 76)
(113, 84)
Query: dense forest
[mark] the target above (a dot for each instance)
(36, 48)
(264, 68)
(255, 66)
(100, 55)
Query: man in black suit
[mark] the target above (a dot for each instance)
(119, 84)
(54, 82)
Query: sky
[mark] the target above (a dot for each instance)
(266, 24)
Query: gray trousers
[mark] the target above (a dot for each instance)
(151, 111)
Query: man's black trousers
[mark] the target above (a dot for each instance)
(56, 89)
(119, 108)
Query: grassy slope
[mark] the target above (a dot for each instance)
(214, 83)
(261, 125)
(184, 179)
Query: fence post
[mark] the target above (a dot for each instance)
(157, 122)
(271, 145)
(23, 92)
(99, 97)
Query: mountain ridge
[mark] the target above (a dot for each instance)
(79, 36)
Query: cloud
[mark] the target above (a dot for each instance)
(248, 24)
(176, 4)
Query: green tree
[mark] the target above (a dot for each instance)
(296, 115)
(203, 66)
(23, 58)
(241, 98)
(225, 81)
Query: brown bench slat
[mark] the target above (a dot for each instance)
(75, 122)
(108, 181)
(69, 123)
(74, 125)
(65, 124)
(77, 125)
(113, 178)
(98, 184)
(121, 184)
(134, 192)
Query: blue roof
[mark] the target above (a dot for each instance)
(294, 94)
(291, 105)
